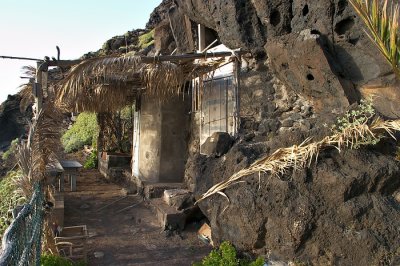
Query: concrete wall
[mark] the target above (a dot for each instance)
(174, 140)
(163, 140)
(150, 140)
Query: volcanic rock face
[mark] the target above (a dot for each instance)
(12, 122)
(308, 62)
(340, 211)
(236, 22)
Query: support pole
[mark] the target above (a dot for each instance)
(37, 90)
(45, 91)
(202, 37)
(236, 70)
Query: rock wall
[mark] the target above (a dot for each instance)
(12, 122)
(308, 62)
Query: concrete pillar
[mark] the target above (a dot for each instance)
(163, 140)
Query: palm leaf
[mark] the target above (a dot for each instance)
(41, 149)
(382, 22)
(298, 157)
(26, 90)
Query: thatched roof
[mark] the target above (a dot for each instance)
(110, 83)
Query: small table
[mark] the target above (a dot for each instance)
(71, 169)
(55, 170)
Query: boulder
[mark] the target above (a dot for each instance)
(182, 31)
(300, 61)
(164, 42)
(217, 145)
(385, 95)
(177, 198)
(344, 200)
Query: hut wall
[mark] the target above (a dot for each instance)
(163, 140)
(174, 128)
(150, 141)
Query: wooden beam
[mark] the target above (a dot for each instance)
(155, 59)
(187, 57)
(64, 63)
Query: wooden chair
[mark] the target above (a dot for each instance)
(71, 242)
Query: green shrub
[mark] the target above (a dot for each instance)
(91, 161)
(363, 114)
(83, 132)
(147, 39)
(8, 199)
(226, 256)
(54, 260)
(12, 150)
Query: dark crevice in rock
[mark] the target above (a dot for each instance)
(344, 26)
(262, 231)
(354, 41)
(341, 6)
(305, 10)
(275, 18)
(317, 32)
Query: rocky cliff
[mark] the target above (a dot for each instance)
(12, 121)
(307, 63)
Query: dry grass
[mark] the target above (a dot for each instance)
(300, 156)
(382, 21)
(110, 83)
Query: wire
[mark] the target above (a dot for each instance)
(20, 58)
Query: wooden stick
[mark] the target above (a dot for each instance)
(21, 58)
(115, 201)
(209, 46)
(131, 206)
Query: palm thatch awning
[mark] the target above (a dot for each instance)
(110, 83)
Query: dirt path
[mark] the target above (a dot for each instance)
(131, 237)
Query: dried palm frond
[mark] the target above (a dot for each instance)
(86, 87)
(382, 20)
(298, 157)
(26, 90)
(109, 83)
(27, 97)
(41, 148)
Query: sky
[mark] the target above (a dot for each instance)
(34, 28)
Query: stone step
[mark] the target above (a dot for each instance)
(168, 217)
(178, 198)
(156, 190)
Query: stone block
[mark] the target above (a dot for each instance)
(217, 145)
(177, 198)
(168, 217)
(156, 190)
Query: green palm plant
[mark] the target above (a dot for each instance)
(382, 21)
